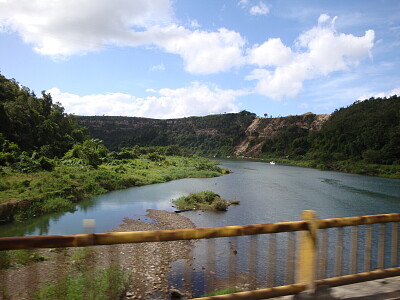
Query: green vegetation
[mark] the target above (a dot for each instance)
(33, 127)
(109, 283)
(17, 258)
(75, 179)
(363, 138)
(85, 281)
(48, 163)
(206, 200)
(214, 135)
(33, 131)
(222, 292)
(367, 131)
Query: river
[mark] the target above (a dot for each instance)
(267, 193)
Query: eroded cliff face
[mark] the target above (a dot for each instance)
(263, 129)
(210, 135)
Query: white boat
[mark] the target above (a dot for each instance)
(272, 163)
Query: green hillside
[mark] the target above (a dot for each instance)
(358, 138)
(35, 123)
(366, 130)
(48, 164)
(213, 135)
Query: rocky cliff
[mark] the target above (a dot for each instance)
(240, 134)
(263, 130)
(209, 135)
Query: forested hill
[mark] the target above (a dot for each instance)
(210, 135)
(367, 131)
(29, 123)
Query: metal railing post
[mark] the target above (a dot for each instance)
(307, 258)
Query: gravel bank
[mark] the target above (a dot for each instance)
(149, 263)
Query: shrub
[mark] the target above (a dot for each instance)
(202, 200)
(57, 204)
(220, 205)
(46, 164)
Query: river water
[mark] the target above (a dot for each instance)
(267, 193)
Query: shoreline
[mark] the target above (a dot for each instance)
(374, 170)
(34, 194)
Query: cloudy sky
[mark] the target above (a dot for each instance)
(169, 59)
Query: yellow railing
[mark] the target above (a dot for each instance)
(311, 256)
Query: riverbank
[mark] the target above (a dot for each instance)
(26, 195)
(348, 166)
(145, 265)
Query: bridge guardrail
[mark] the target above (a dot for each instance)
(310, 257)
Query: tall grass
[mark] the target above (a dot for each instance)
(85, 281)
(18, 258)
(109, 283)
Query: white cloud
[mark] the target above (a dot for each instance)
(69, 27)
(395, 91)
(323, 19)
(319, 51)
(260, 9)
(243, 3)
(285, 81)
(64, 28)
(159, 67)
(196, 99)
(270, 53)
(203, 52)
(194, 24)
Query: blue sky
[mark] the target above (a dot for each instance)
(171, 59)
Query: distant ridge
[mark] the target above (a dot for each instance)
(367, 130)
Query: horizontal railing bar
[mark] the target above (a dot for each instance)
(297, 288)
(359, 277)
(362, 220)
(109, 238)
(278, 291)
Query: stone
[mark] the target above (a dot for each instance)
(175, 294)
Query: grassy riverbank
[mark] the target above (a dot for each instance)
(36, 193)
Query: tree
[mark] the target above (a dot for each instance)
(36, 124)
(92, 152)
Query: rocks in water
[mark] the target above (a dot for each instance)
(175, 294)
